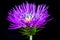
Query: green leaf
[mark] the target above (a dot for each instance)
(25, 31)
(33, 31)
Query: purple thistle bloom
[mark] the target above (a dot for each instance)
(26, 15)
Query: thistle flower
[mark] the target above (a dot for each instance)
(27, 15)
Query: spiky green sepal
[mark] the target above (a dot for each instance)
(29, 31)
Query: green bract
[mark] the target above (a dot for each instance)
(29, 31)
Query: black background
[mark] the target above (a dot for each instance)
(51, 32)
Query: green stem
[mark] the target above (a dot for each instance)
(30, 37)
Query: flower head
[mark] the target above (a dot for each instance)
(27, 15)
